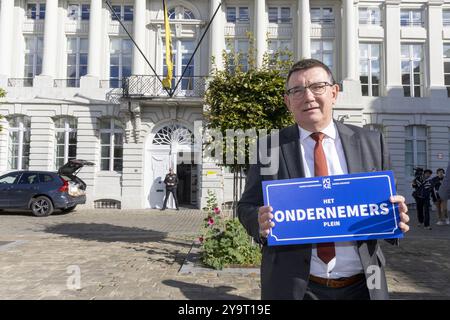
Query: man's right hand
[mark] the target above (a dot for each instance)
(265, 217)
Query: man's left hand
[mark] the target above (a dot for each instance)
(403, 209)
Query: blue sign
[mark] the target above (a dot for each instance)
(337, 208)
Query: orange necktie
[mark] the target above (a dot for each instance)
(325, 251)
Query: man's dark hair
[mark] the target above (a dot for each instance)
(428, 171)
(308, 64)
(440, 169)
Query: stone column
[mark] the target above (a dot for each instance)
(304, 29)
(350, 42)
(260, 28)
(92, 79)
(6, 27)
(50, 39)
(216, 34)
(139, 30)
(392, 46)
(435, 47)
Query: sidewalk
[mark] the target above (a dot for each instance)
(138, 254)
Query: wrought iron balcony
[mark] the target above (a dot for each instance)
(151, 86)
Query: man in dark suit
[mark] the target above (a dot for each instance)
(316, 146)
(171, 182)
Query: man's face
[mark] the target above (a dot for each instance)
(312, 112)
(426, 175)
(440, 174)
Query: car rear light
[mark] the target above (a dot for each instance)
(64, 187)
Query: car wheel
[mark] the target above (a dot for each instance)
(42, 206)
(69, 209)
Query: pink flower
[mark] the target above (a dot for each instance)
(210, 221)
(216, 210)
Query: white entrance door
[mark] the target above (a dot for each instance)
(160, 162)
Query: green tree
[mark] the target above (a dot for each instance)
(2, 94)
(247, 98)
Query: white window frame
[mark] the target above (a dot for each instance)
(112, 143)
(446, 18)
(35, 55)
(279, 17)
(180, 13)
(411, 61)
(415, 138)
(178, 52)
(369, 60)
(78, 16)
(322, 52)
(21, 130)
(67, 130)
(78, 52)
(237, 44)
(410, 20)
(121, 55)
(323, 20)
(447, 75)
(39, 5)
(239, 18)
(122, 12)
(373, 18)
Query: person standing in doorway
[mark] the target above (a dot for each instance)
(171, 182)
(441, 205)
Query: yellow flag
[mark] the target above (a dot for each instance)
(167, 82)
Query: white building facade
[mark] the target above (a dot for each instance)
(62, 64)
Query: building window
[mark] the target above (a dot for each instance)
(369, 68)
(120, 61)
(280, 15)
(369, 15)
(279, 45)
(447, 68)
(33, 58)
(322, 16)
(411, 18)
(76, 11)
(181, 53)
(412, 70)
(125, 12)
(446, 18)
(19, 143)
(237, 14)
(36, 10)
(77, 60)
(323, 50)
(238, 48)
(415, 148)
(111, 140)
(65, 141)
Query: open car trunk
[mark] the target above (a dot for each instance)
(69, 171)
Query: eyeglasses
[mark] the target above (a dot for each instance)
(317, 89)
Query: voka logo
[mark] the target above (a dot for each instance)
(326, 183)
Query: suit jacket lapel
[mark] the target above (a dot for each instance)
(352, 148)
(290, 148)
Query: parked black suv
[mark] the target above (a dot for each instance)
(44, 191)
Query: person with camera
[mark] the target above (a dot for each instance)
(422, 189)
(441, 205)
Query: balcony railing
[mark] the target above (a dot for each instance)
(20, 82)
(150, 86)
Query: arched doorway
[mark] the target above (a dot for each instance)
(171, 146)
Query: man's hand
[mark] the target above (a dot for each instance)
(264, 220)
(403, 209)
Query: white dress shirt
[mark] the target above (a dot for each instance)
(346, 263)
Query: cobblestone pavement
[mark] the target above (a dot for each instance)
(137, 254)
